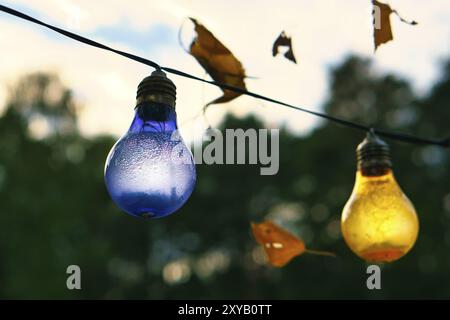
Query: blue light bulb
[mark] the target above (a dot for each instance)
(150, 172)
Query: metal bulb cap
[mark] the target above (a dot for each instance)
(156, 88)
(373, 156)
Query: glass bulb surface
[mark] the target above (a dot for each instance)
(379, 223)
(150, 172)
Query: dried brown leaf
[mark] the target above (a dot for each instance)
(382, 31)
(218, 62)
(280, 245)
(284, 41)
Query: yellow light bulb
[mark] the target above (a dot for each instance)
(378, 223)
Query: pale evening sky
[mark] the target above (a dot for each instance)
(324, 32)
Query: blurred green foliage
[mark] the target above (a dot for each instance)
(55, 211)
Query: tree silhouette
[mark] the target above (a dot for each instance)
(55, 211)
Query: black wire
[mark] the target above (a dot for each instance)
(389, 134)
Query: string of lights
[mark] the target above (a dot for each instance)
(379, 223)
(443, 142)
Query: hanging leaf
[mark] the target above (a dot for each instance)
(218, 62)
(382, 31)
(280, 245)
(284, 41)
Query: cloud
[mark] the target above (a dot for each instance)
(147, 39)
